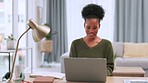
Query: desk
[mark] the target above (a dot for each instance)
(129, 72)
(12, 51)
(109, 79)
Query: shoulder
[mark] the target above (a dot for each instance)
(77, 41)
(107, 44)
(106, 41)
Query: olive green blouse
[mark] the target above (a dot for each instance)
(102, 50)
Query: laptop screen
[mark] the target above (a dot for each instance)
(85, 69)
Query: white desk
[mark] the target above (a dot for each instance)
(12, 51)
(109, 79)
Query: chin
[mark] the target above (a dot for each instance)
(92, 37)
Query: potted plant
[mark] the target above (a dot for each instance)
(46, 45)
(10, 40)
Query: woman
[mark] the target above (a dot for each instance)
(92, 46)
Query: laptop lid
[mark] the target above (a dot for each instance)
(85, 69)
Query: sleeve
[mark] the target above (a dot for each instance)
(110, 60)
(72, 50)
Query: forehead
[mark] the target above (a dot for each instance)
(92, 21)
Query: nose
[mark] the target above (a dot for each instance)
(91, 30)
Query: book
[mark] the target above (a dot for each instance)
(44, 80)
(56, 75)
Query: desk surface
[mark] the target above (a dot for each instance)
(109, 79)
(129, 71)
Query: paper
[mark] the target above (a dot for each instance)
(53, 74)
(135, 81)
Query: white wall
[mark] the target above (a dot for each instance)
(75, 22)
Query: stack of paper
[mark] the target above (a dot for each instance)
(135, 81)
(50, 74)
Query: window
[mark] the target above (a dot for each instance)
(22, 21)
(2, 14)
(13, 21)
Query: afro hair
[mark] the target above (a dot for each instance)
(93, 11)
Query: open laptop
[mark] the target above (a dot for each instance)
(85, 69)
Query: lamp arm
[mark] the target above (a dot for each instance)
(11, 74)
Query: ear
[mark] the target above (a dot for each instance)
(99, 25)
(84, 24)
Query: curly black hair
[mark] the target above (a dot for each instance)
(93, 11)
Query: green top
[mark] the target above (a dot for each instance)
(102, 50)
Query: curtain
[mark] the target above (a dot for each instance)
(131, 17)
(56, 17)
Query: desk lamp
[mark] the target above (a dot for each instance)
(38, 33)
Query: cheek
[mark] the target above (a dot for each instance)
(86, 30)
(96, 31)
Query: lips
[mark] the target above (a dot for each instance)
(91, 34)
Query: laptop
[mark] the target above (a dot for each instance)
(85, 69)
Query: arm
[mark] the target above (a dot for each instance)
(72, 50)
(110, 61)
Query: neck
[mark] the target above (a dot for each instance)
(91, 39)
(91, 42)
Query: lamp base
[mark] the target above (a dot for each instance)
(10, 81)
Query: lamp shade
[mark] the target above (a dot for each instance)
(38, 31)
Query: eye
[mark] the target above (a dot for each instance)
(88, 27)
(95, 27)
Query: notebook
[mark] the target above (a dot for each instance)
(85, 69)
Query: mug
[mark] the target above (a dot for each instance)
(18, 70)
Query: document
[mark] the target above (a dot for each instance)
(135, 81)
(57, 75)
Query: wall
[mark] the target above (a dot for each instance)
(75, 22)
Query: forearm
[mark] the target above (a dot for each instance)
(110, 68)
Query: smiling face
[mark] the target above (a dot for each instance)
(91, 27)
